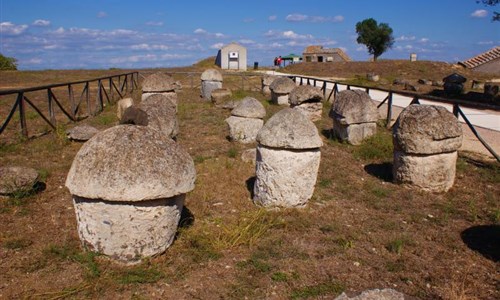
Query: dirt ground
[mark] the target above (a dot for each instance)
(359, 231)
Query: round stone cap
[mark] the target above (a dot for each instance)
(289, 129)
(268, 79)
(131, 163)
(211, 75)
(305, 93)
(158, 82)
(249, 107)
(354, 107)
(427, 129)
(282, 85)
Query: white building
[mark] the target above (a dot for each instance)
(233, 57)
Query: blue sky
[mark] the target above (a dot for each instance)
(95, 34)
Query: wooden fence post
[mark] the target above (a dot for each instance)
(389, 110)
(22, 114)
(72, 101)
(52, 116)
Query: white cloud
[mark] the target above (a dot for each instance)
(423, 40)
(405, 38)
(41, 23)
(313, 19)
(217, 46)
(33, 61)
(148, 47)
(102, 14)
(296, 18)
(200, 31)
(246, 41)
(480, 13)
(12, 29)
(486, 43)
(152, 23)
(363, 48)
(272, 18)
(289, 35)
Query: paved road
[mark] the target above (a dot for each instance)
(486, 122)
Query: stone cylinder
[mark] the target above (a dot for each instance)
(354, 116)
(246, 120)
(280, 90)
(159, 83)
(288, 159)
(266, 82)
(426, 139)
(307, 99)
(128, 185)
(211, 80)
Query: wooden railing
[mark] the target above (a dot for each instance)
(457, 111)
(105, 87)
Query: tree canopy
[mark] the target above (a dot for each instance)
(376, 37)
(496, 15)
(7, 63)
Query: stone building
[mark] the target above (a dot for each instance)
(487, 62)
(320, 54)
(232, 57)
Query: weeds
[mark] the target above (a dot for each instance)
(396, 245)
(17, 244)
(376, 147)
(139, 274)
(327, 288)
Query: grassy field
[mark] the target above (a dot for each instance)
(359, 231)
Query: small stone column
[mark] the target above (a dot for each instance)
(211, 80)
(426, 139)
(280, 89)
(288, 158)
(246, 120)
(354, 116)
(159, 83)
(128, 185)
(266, 82)
(307, 99)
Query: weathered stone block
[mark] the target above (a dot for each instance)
(433, 173)
(285, 178)
(353, 133)
(243, 130)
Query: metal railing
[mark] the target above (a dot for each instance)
(457, 111)
(106, 87)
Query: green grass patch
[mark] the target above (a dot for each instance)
(376, 147)
(17, 243)
(280, 277)
(327, 288)
(139, 274)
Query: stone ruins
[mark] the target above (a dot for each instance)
(122, 105)
(307, 99)
(288, 158)
(128, 185)
(211, 80)
(426, 139)
(280, 89)
(246, 120)
(159, 83)
(354, 116)
(266, 82)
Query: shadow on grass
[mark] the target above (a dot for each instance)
(187, 218)
(484, 239)
(382, 171)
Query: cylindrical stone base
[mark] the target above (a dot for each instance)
(280, 99)
(285, 178)
(172, 96)
(208, 86)
(354, 134)
(128, 231)
(243, 130)
(433, 173)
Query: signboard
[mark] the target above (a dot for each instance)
(233, 54)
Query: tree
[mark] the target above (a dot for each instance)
(496, 15)
(376, 37)
(7, 63)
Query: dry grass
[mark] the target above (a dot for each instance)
(359, 231)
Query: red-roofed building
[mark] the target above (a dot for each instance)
(487, 62)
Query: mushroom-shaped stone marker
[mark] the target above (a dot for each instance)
(128, 185)
(246, 120)
(211, 80)
(354, 116)
(307, 99)
(288, 158)
(426, 139)
(162, 114)
(159, 83)
(280, 89)
(266, 82)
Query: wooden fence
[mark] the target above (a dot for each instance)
(457, 111)
(104, 89)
